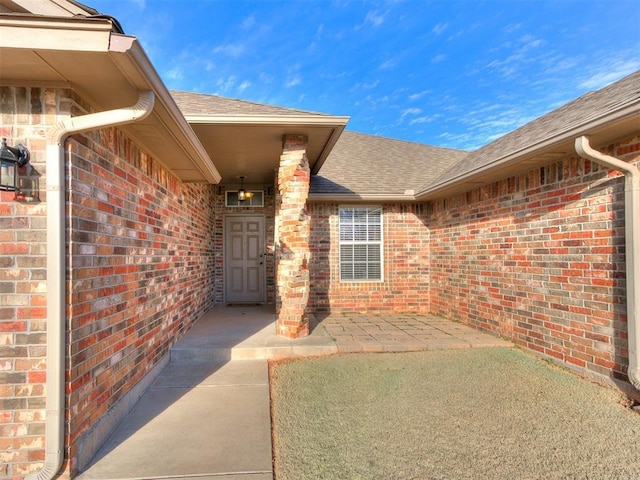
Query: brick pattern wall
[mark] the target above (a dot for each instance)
(141, 253)
(539, 258)
(293, 236)
(406, 264)
(220, 210)
(26, 115)
(142, 249)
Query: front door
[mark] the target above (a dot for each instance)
(244, 259)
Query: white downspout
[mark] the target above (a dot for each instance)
(56, 269)
(632, 245)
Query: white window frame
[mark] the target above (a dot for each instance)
(343, 232)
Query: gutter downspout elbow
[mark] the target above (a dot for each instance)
(56, 269)
(632, 245)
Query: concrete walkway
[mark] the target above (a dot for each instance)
(207, 415)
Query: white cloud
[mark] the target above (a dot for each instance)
(231, 50)
(249, 22)
(424, 119)
(293, 81)
(512, 27)
(418, 95)
(439, 28)
(387, 64)
(366, 86)
(374, 18)
(410, 111)
(225, 84)
(243, 86)
(438, 58)
(609, 74)
(174, 74)
(265, 77)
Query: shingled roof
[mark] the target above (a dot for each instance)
(567, 118)
(191, 103)
(360, 165)
(371, 165)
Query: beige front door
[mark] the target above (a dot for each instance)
(244, 259)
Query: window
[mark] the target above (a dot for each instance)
(254, 199)
(361, 244)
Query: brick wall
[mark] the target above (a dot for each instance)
(539, 258)
(405, 287)
(27, 113)
(142, 252)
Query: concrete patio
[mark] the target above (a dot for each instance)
(207, 414)
(237, 332)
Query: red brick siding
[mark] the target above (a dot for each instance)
(406, 264)
(220, 211)
(539, 258)
(141, 253)
(141, 257)
(26, 114)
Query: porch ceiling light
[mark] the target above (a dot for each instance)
(242, 193)
(11, 158)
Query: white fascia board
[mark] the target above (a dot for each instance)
(185, 135)
(306, 120)
(566, 135)
(355, 197)
(83, 35)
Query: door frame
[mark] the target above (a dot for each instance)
(225, 218)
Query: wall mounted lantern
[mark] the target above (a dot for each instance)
(11, 158)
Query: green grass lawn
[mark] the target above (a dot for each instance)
(493, 413)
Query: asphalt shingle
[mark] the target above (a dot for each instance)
(578, 112)
(368, 164)
(191, 103)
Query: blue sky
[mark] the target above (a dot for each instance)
(452, 73)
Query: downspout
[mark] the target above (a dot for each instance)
(632, 245)
(56, 269)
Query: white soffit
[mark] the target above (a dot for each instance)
(108, 70)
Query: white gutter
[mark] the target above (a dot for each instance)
(632, 245)
(56, 269)
(567, 134)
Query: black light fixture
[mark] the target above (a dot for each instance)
(242, 193)
(11, 158)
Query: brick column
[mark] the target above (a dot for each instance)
(292, 239)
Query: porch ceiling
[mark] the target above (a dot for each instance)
(252, 145)
(108, 70)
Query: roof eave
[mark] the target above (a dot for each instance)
(336, 123)
(304, 120)
(525, 158)
(46, 38)
(184, 134)
(357, 197)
